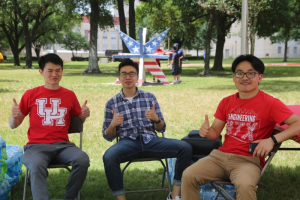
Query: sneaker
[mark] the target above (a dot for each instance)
(158, 80)
(179, 81)
(170, 198)
(153, 81)
(174, 82)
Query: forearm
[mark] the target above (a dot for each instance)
(291, 131)
(15, 122)
(212, 134)
(111, 131)
(159, 126)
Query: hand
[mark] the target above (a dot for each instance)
(85, 111)
(117, 119)
(151, 114)
(263, 148)
(15, 110)
(204, 130)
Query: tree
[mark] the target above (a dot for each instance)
(102, 18)
(132, 20)
(74, 41)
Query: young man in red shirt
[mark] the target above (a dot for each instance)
(50, 108)
(251, 116)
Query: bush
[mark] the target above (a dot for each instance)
(195, 57)
(5, 57)
(9, 57)
(81, 58)
(188, 55)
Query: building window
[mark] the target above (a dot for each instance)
(86, 34)
(279, 47)
(113, 40)
(48, 47)
(295, 47)
(104, 40)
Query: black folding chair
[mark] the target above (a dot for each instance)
(165, 167)
(76, 126)
(219, 185)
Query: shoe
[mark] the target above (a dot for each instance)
(174, 82)
(179, 81)
(153, 81)
(158, 80)
(170, 198)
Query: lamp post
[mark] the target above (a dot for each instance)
(244, 30)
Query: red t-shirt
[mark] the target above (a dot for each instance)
(158, 51)
(249, 120)
(49, 113)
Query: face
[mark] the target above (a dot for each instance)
(158, 48)
(128, 82)
(245, 84)
(52, 74)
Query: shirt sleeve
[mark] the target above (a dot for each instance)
(159, 113)
(220, 113)
(108, 116)
(76, 108)
(24, 103)
(173, 56)
(280, 112)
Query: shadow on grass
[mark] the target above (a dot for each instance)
(6, 90)
(95, 186)
(8, 80)
(281, 183)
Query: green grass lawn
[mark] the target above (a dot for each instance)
(183, 106)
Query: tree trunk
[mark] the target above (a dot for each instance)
(252, 35)
(207, 45)
(132, 20)
(16, 53)
(197, 53)
(285, 51)
(122, 23)
(93, 67)
(221, 34)
(28, 44)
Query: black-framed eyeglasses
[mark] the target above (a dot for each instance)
(242, 74)
(124, 74)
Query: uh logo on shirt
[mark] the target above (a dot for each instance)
(51, 113)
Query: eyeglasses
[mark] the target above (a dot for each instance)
(124, 74)
(242, 74)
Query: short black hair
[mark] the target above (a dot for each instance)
(174, 47)
(256, 63)
(128, 61)
(50, 57)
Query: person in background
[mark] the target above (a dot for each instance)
(175, 65)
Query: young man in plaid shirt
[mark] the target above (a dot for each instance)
(135, 116)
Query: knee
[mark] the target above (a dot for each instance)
(188, 176)
(187, 148)
(109, 157)
(82, 159)
(243, 186)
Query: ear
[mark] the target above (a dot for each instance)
(260, 77)
(40, 71)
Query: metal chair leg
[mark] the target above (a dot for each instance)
(25, 184)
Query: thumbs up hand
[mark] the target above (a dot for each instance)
(85, 111)
(151, 114)
(117, 119)
(15, 110)
(204, 130)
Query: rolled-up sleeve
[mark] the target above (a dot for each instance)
(108, 116)
(159, 113)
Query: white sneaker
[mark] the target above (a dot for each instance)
(174, 82)
(176, 198)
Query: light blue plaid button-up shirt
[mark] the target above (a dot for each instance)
(135, 123)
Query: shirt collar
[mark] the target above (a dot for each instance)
(136, 94)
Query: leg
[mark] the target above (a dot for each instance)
(171, 148)
(202, 172)
(244, 175)
(69, 154)
(37, 158)
(124, 150)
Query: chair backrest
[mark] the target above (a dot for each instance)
(272, 153)
(76, 126)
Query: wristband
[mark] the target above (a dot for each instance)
(159, 120)
(274, 140)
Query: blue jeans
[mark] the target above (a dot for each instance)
(128, 149)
